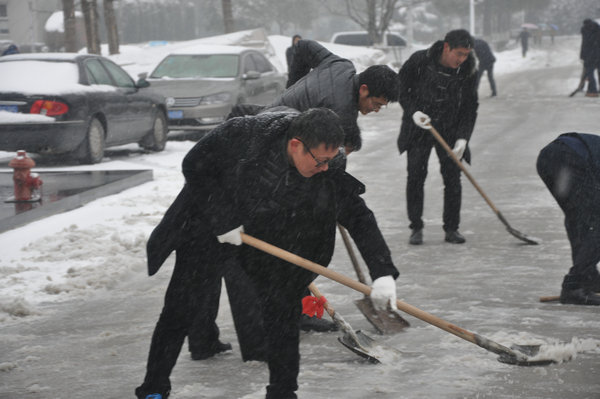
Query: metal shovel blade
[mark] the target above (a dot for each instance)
(362, 344)
(523, 356)
(385, 322)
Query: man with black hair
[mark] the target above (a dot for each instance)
(268, 175)
(333, 83)
(570, 168)
(438, 85)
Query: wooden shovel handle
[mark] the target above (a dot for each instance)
(452, 155)
(315, 291)
(355, 285)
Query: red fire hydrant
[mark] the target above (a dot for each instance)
(24, 180)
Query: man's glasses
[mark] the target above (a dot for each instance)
(319, 163)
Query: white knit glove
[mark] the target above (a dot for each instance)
(232, 237)
(383, 291)
(422, 120)
(459, 148)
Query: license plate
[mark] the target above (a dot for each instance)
(9, 108)
(175, 114)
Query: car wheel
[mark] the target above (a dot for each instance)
(156, 139)
(92, 148)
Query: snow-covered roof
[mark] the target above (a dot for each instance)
(41, 56)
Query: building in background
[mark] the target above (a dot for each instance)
(22, 22)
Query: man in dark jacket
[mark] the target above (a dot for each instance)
(269, 173)
(570, 168)
(438, 84)
(486, 59)
(289, 58)
(590, 54)
(524, 38)
(333, 83)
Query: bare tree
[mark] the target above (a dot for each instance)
(70, 24)
(112, 32)
(374, 16)
(90, 16)
(227, 15)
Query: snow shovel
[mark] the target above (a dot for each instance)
(581, 84)
(356, 341)
(519, 354)
(385, 322)
(514, 232)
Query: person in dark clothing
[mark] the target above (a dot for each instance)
(333, 83)
(12, 49)
(590, 54)
(269, 175)
(439, 85)
(570, 168)
(524, 38)
(486, 58)
(289, 57)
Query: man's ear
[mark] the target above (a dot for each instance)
(363, 91)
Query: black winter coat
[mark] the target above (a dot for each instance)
(332, 83)
(239, 174)
(484, 54)
(448, 96)
(590, 43)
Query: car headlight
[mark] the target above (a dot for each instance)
(215, 99)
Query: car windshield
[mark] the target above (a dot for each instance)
(34, 75)
(198, 66)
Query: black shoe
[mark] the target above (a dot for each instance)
(416, 237)
(455, 237)
(593, 285)
(217, 348)
(579, 296)
(308, 323)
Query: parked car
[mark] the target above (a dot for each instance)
(76, 105)
(203, 83)
(392, 43)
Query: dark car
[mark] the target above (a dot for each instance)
(202, 83)
(76, 105)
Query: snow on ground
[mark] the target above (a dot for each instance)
(91, 250)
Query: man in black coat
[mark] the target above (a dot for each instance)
(486, 59)
(438, 85)
(333, 83)
(590, 54)
(570, 168)
(269, 173)
(289, 58)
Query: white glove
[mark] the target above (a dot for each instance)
(232, 237)
(383, 291)
(422, 120)
(459, 148)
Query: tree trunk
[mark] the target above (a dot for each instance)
(227, 16)
(112, 32)
(90, 15)
(70, 24)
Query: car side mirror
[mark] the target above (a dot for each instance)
(251, 75)
(143, 75)
(142, 83)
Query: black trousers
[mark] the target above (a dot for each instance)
(418, 158)
(572, 184)
(490, 75)
(191, 306)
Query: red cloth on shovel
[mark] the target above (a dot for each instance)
(313, 306)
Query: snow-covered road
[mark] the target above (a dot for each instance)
(86, 334)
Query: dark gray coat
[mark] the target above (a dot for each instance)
(239, 174)
(332, 83)
(448, 96)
